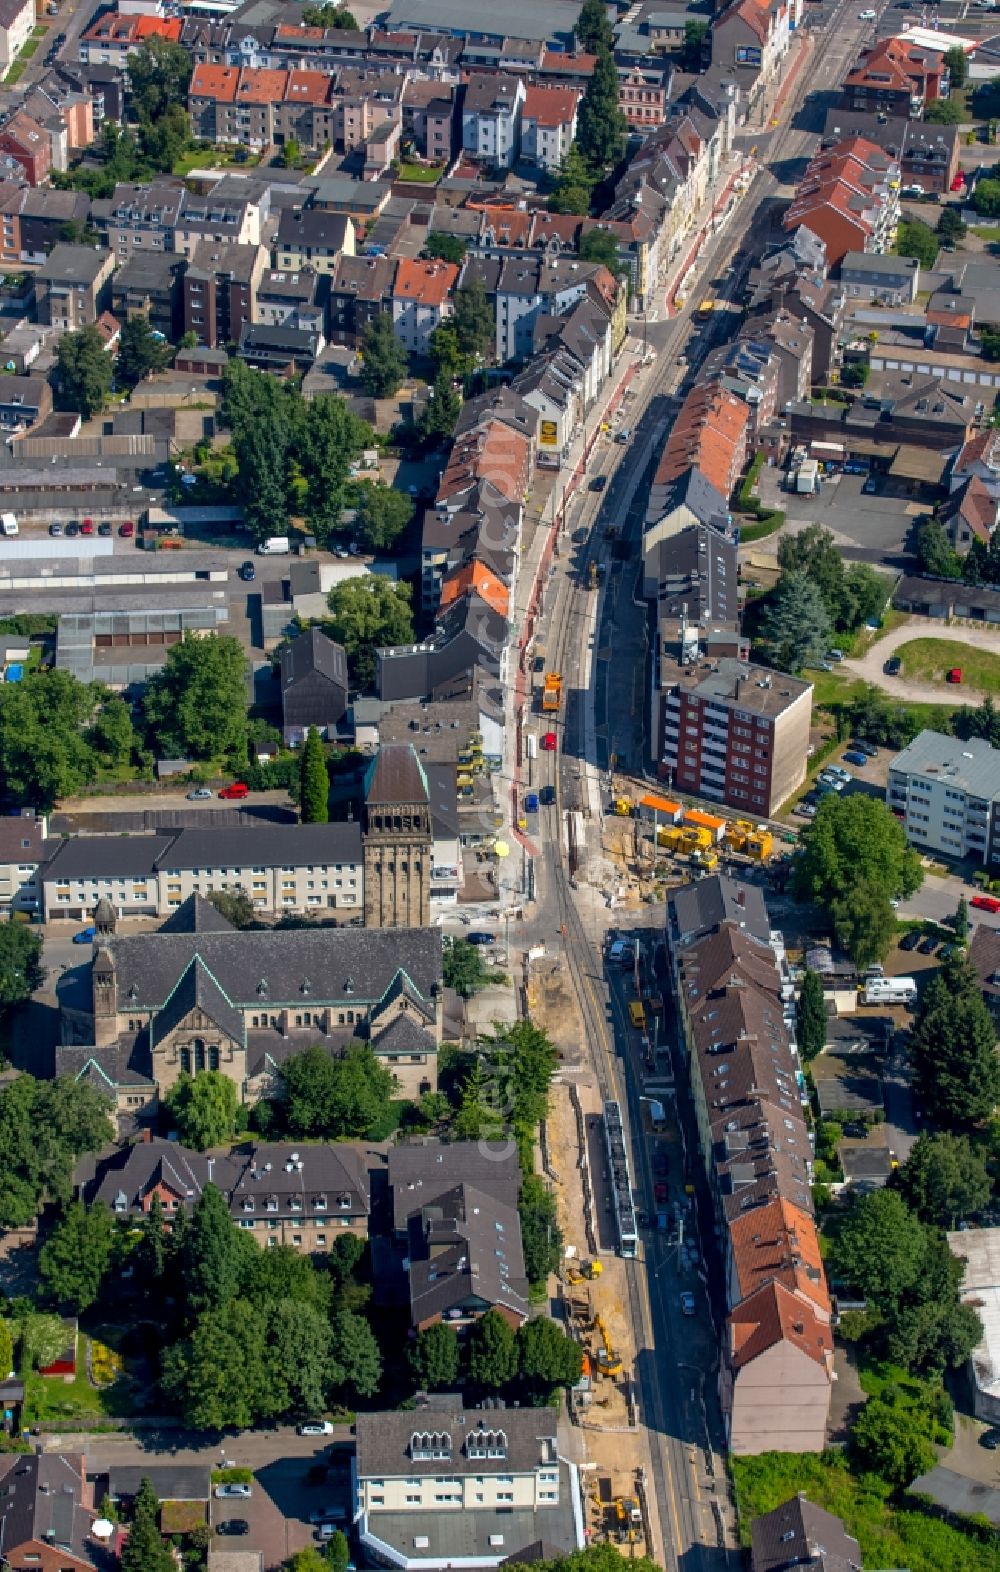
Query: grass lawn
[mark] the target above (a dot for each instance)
(927, 660)
(890, 1536)
(49, 1398)
(420, 174)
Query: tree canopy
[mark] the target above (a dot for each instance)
(314, 781)
(593, 28)
(75, 1258)
(600, 245)
(84, 372)
(159, 74)
(21, 969)
(855, 860)
(365, 615)
(57, 735)
(332, 1099)
(145, 1550)
(945, 1179)
(574, 184)
(383, 513)
(140, 351)
(890, 1438)
(205, 1109)
(953, 1047)
(447, 248)
(435, 1357)
(383, 364)
(196, 706)
(44, 1127)
(852, 595)
(810, 1016)
(464, 969)
(601, 125)
(797, 624)
(916, 239)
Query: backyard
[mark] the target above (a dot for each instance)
(52, 1400)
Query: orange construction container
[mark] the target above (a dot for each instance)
(663, 806)
(706, 821)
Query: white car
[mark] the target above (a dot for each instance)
(867, 16)
(224, 1492)
(316, 1427)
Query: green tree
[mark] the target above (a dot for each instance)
(333, 1099)
(215, 1254)
(864, 923)
(493, 1353)
(74, 1260)
(162, 142)
(848, 834)
(383, 514)
(692, 50)
(330, 437)
(299, 1357)
(881, 1249)
(159, 73)
(448, 358)
(443, 407)
(152, 1251)
(547, 1358)
(600, 245)
(446, 248)
(810, 1016)
(196, 706)
(593, 28)
(950, 226)
(6, 1350)
(890, 1438)
(56, 734)
(357, 1361)
(916, 239)
(944, 1179)
(329, 16)
(541, 1236)
(797, 623)
(44, 1127)
(958, 66)
(935, 553)
(21, 969)
(338, 1552)
(145, 1550)
(463, 969)
(601, 126)
(235, 906)
(384, 365)
(953, 1048)
(855, 374)
(475, 322)
(218, 1377)
(140, 351)
(960, 921)
(43, 1339)
(205, 1109)
(365, 615)
(942, 112)
(291, 153)
(574, 184)
(986, 198)
(84, 372)
(435, 1357)
(314, 781)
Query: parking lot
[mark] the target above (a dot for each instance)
(872, 527)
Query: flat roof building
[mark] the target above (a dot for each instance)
(948, 793)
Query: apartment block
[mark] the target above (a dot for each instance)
(219, 291)
(947, 793)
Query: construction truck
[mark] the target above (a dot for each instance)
(593, 575)
(627, 1512)
(670, 837)
(552, 691)
(609, 1363)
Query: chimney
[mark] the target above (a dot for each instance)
(147, 1135)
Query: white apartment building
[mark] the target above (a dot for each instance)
(444, 1486)
(948, 793)
(491, 119)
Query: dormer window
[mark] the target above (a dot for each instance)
(272, 1203)
(295, 1203)
(262, 988)
(349, 986)
(305, 986)
(121, 1202)
(319, 1203)
(248, 1204)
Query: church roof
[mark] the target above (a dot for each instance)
(396, 775)
(197, 989)
(196, 915)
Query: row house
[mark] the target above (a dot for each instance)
(360, 290)
(428, 116)
(33, 220)
(643, 95)
(751, 37)
(896, 77)
(492, 108)
(527, 289)
(710, 433)
(113, 37)
(149, 285)
(17, 18)
(736, 1008)
(849, 199)
(421, 301)
(548, 125)
(312, 237)
(29, 144)
(219, 292)
(66, 112)
(572, 361)
(164, 216)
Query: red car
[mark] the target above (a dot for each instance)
(87, 527)
(549, 742)
(126, 529)
(985, 903)
(235, 791)
(660, 1191)
(958, 184)
(954, 675)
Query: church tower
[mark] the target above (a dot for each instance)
(397, 840)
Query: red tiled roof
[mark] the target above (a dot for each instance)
(494, 452)
(476, 577)
(259, 85)
(215, 82)
(779, 1243)
(159, 27)
(308, 87)
(550, 106)
(429, 282)
(774, 1315)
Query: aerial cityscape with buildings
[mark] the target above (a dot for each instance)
(500, 785)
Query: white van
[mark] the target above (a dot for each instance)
(890, 990)
(274, 546)
(8, 524)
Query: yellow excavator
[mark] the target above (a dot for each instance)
(608, 1362)
(584, 1271)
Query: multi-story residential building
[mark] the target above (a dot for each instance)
(984, 958)
(24, 401)
(73, 287)
(893, 281)
(948, 793)
(22, 852)
(849, 199)
(752, 36)
(491, 119)
(291, 868)
(313, 237)
(360, 291)
(730, 730)
(141, 218)
(47, 1514)
(17, 18)
(29, 144)
(440, 1484)
(532, 287)
(199, 994)
(798, 1534)
(113, 37)
(548, 125)
(421, 300)
(643, 95)
(896, 77)
(149, 285)
(314, 686)
(219, 291)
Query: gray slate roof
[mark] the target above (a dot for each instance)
(696, 908)
(799, 1534)
(424, 1170)
(384, 1440)
(42, 1500)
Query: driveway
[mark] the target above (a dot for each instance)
(870, 666)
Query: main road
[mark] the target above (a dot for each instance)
(601, 651)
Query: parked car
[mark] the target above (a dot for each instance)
(330, 1514)
(580, 535)
(990, 1439)
(985, 903)
(234, 792)
(805, 810)
(870, 486)
(85, 936)
(954, 675)
(482, 938)
(233, 1526)
(247, 572)
(55, 529)
(928, 945)
(316, 1427)
(660, 1192)
(598, 483)
(832, 781)
(867, 748)
(893, 666)
(547, 796)
(105, 529)
(835, 655)
(126, 530)
(660, 1164)
(549, 742)
(687, 1303)
(199, 794)
(857, 759)
(910, 940)
(233, 1489)
(72, 529)
(87, 527)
